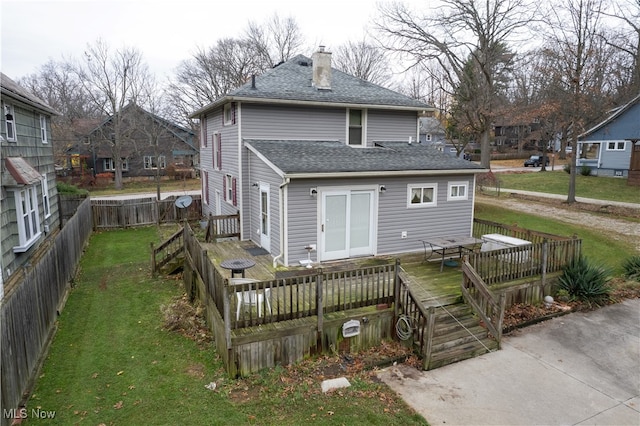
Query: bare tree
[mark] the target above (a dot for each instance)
(363, 60)
(276, 40)
(112, 79)
(463, 36)
(574, 32)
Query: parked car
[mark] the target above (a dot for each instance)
(536, 161)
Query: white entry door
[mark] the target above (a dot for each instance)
(265, 225)
(347, 227)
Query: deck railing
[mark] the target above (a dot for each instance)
(482, 227)
(224, 226)
(167, 251)
(477, 294)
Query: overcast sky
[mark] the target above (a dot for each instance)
(166, 32)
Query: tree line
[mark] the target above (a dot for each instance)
(564, 64)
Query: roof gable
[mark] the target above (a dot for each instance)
(291, 82)
(623, 123)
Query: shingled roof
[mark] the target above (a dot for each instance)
(291, 82)
(333, 157)
(12, 89)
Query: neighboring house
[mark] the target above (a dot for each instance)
(520, 136)
(607, 147)
(431, 131)
(176, 148)
(29, 200)
(313, 157)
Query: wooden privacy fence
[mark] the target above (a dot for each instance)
(142, 211)
(29, 310)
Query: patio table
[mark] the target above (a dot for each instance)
(443, 246)
(237, 266)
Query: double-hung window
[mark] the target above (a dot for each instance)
(615, 146)
(10, 122)
(43, 129)
(217, 151)
(150, 162)
(356, 127)
(457, 191)
(110, 164)
(45, 197)
(28, 219)
(422, 195)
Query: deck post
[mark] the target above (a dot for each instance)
(320, 307)
(226, 315)
(428, 337)
(396, 291)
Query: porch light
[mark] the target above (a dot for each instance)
(313, 192)
(382, 188)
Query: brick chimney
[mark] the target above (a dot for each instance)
(322, 69)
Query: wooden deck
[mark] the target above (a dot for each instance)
(433, 287)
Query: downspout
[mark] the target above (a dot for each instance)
(283, 221)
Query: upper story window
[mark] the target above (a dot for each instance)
(43, 129)
(615, 146)
(217, 151)
(45, 197)
(10, 120)
(203, 131)
(457, 191)
(355, 135)
(422, 195)
(229, 114)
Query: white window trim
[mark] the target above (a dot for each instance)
(216, 151)
(8, 109)
(33, 214)
(420, 205)
(616, 145)
(227, 111)
(464, 185)
(148, 162)
(43, 128)
(229, 185)
(46, 205)
(364, 128)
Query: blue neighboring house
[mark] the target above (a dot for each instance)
(314, 157)
(608, 146)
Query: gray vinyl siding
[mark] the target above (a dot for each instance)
(39, 155)
(393, 215)
(391, 126)
(616, 160)
(258, 172)
(299, 122)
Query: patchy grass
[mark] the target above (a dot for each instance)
(597, 244)
(603, 188)
(148, 186)
(129, 351)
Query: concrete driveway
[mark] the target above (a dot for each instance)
(579, 369)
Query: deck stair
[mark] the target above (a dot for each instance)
(458, 335)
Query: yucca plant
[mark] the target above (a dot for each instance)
(631, 268)
(585, 281)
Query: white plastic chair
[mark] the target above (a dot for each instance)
(251, 297)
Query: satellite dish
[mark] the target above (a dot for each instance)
(184, 201)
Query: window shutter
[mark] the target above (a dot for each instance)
(224, 187)
(213, 151)
(235, 197)
(219, 159)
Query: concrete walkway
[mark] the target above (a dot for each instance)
(579, 369)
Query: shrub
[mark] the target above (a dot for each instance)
(567, 168)
(585, 281)
(631, 267)
(585, 170)
(67, 188)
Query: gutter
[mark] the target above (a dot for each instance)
(321, 175)
(283, 221)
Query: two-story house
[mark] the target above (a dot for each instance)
(607, 147)
(150, 145)
(313, 157)
(29, 199)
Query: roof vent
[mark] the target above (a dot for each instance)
(303, 63)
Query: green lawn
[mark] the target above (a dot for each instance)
(603, 188)
(597, 245)
(112, 362)
(148, 186)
